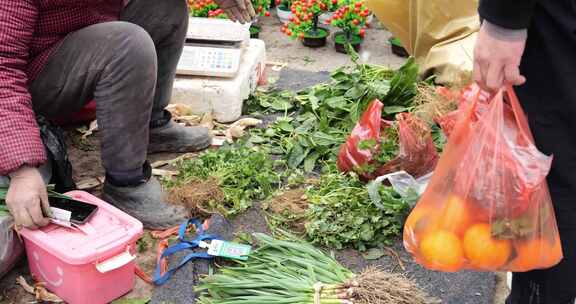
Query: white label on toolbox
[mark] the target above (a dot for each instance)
(61, 214)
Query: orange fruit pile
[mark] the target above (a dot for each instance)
(453, 236)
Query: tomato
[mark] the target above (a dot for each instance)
(362, 33)
(301, 35)
(358, 4)
(267, 14)
(355, 21)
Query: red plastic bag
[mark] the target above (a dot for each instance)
(466, 97)
(487, 206)
(361, 153)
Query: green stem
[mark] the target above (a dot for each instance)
(315, 25)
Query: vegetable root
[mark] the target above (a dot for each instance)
(375, 286)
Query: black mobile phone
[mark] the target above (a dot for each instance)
(70, 210)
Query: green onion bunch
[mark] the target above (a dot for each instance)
(286, 272)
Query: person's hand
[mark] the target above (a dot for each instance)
(26, 198)
(238, 10)
(497, 57)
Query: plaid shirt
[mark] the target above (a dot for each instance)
(30, 31)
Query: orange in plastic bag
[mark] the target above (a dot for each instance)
(487, 207)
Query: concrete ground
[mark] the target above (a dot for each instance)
(300, 67)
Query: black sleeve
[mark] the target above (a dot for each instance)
(511, 14)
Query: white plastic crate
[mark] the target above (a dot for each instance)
(224, 96)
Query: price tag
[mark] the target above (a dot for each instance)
(229, 250)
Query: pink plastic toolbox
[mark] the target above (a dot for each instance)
(93, 264)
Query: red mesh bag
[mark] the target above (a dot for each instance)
(487, 206)
(416, 155)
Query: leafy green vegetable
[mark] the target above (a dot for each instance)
(439, 138)
(325, 114)
(342, 214)
(403, 86)
(263, 102)
(244, 173)
(389, 145)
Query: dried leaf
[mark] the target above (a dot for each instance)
(179, 110)
(22, 282)
(162, 163)
(207, 121)
(277, 66)
(90, 183)
(164, 173)
(189, 120)
(39, 291)
(93, 127)
(248, 122)
(235, 131)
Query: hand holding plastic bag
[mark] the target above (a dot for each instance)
(487, 206)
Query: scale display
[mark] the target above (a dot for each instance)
(209, 61)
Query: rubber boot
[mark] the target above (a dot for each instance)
(175, 138)
(146, 203)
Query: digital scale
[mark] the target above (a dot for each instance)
(213, 47)
(219, 68)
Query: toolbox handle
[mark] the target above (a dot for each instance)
(115, 262)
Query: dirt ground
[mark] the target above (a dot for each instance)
(280, 50)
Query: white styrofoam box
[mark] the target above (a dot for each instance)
(224, 96)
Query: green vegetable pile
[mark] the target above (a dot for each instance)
(244, 173)
(321, 117)
(284, 272)
(305, 134)
(342, 213)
